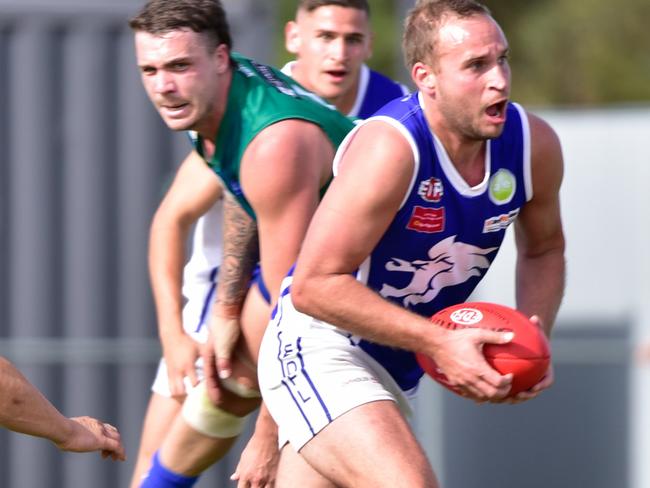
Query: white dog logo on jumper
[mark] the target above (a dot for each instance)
(451, 263)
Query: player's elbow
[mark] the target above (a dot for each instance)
(168, 217)
(303, 293)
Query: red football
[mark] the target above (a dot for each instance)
(527, 356)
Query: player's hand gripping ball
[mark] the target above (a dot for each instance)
(527, 356)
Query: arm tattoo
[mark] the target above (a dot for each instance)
(240, 254)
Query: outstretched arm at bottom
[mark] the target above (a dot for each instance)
(24, 409)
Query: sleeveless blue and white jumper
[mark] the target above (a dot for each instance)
(437, 248)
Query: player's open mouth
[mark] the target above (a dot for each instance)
(497, 111)
(337, 74)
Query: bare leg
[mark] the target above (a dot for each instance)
(371, 445)
(188, 452)
(160, 414)
(294, 469)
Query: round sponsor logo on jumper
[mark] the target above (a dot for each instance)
(502, 187)
(466, 316)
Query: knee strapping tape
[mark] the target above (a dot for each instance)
(199, 412)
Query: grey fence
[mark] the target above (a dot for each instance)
(84, 160)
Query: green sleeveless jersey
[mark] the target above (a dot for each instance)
(260, 96)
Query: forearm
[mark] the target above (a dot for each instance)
(166, 260)
(345, 302)
(24, 409)
(265, 425)
(240, 255)
(540, 284)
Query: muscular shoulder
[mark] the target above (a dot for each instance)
(381, 139)
(379, 155)
(286, 143)
(544, 138)
(285, 157)
(296, 132)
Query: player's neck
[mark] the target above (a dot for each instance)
(209, 128)
(472, 170)
(466, 154)
(461, 150)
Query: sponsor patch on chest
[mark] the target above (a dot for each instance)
(502, 187)
(427, 220)
(500, 222)
(431, 190)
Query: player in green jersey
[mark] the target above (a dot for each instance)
(271, 143)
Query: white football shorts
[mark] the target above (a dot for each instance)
(310, 373)
(195, 323)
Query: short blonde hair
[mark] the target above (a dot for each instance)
(422, 24)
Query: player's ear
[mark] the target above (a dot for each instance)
(222, 58)
(424, 78)
(292, 37)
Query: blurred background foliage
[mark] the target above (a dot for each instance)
(563, 52)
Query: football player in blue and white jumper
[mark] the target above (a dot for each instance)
(331, 41)
(423, 194)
